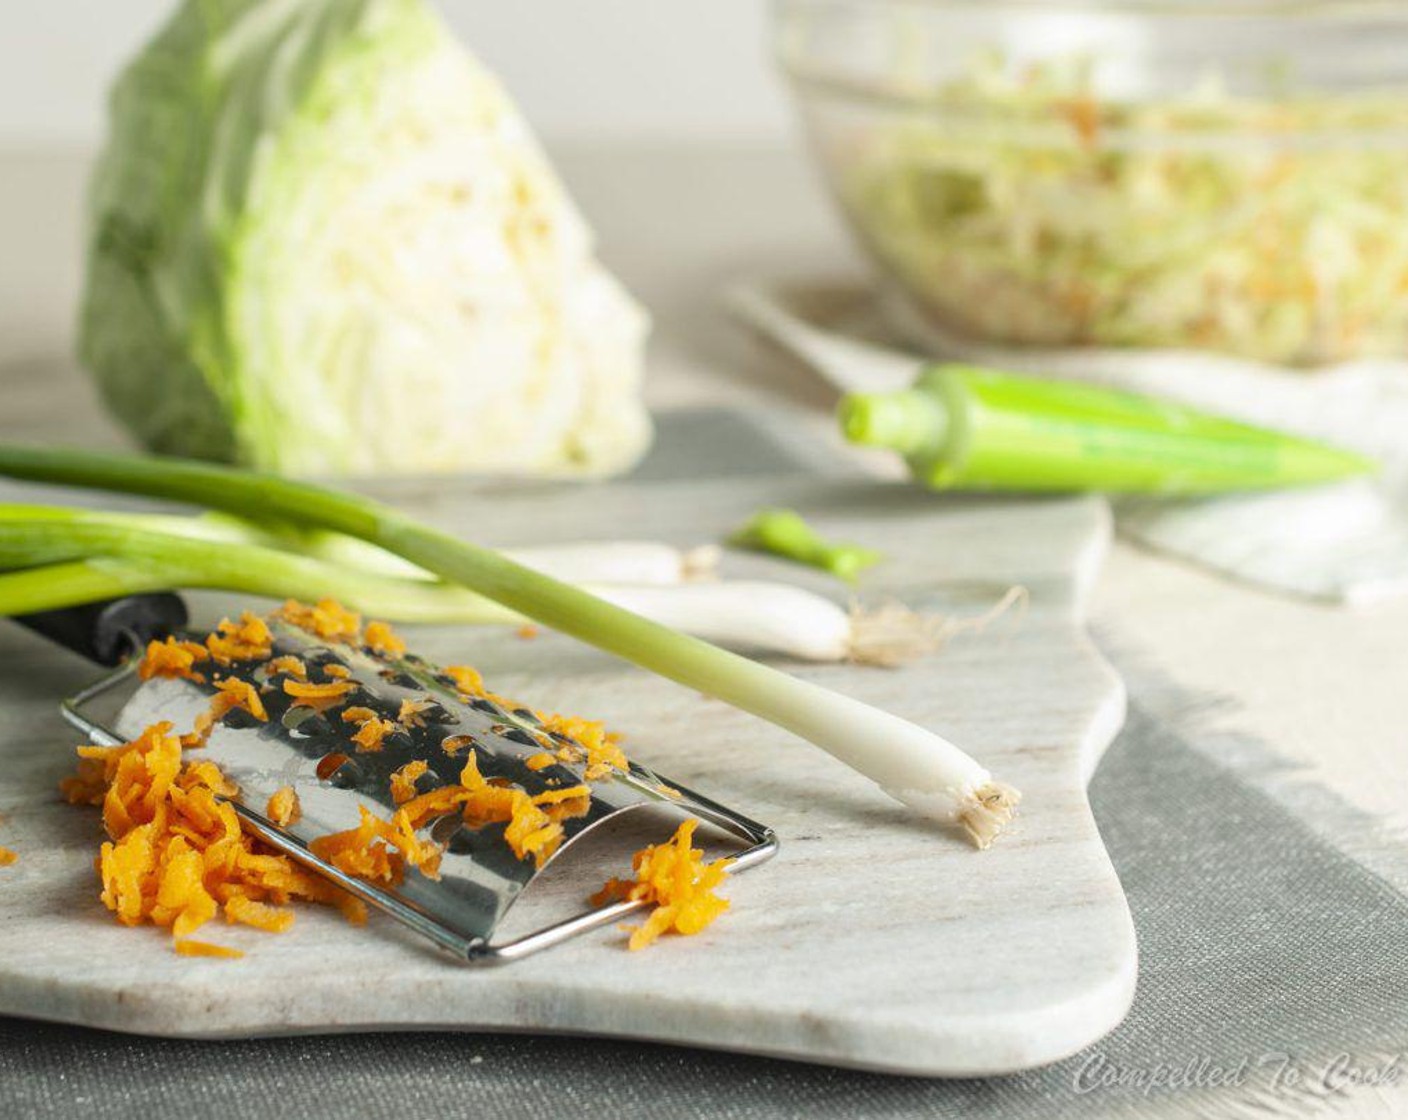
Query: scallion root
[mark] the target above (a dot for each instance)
(988, 811)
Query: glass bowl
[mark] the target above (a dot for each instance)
(1223, 176)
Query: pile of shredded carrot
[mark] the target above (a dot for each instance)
(675, 880)
(176, 854)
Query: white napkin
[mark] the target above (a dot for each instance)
(1344, 543)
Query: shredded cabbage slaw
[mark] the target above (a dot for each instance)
(1021, 207)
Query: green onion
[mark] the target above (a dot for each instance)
(94, 554)
(916, 766)
(142, 552)
(783, 532)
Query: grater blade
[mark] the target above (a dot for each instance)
(480, 876)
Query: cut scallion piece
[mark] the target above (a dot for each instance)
(785, 533)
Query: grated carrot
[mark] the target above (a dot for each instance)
(674, 879)
(177, 856)
(467, 680)
(188, 948)
(403, 780)
(246, 640)
(534, 823)
(412, 713)
(327, 619)
(284, 808)
(319, 697)
(378, 849)
(172, 658)
(234, 693)
(371, 736)
(603, 754)
(230, 693)
(384, 640)
(289, 664)
(176, 853)
(260, 915)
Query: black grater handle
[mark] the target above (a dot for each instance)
(110, 631)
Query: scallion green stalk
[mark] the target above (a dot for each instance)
(129, 553)
(916, 766)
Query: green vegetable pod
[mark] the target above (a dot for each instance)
(969, 428)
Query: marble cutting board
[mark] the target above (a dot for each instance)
(870, 941)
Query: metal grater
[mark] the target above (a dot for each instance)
(480, 877)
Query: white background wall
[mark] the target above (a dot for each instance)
(580, 68)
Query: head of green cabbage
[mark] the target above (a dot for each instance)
(324, 242)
